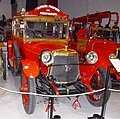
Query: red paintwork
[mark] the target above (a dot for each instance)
(92, 17)
(98, 16)
(102, 47)
(44, 10)
(30, 51)
(103, 51)
(28, 67)
(47, 10)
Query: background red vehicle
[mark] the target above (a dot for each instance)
(93, 42)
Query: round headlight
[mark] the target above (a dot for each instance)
(92, 57)
(46, 57)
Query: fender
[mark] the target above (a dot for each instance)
(30, 68)
(10, 49)
(87, 71)
(103, 62)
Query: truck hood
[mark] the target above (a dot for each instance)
(103, 44)
(46, 45)
(102, 47)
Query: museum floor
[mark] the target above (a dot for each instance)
(11, 105)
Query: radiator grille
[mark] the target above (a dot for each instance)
(65, 69)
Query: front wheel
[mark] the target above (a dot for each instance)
(98, 82)
(29, 101)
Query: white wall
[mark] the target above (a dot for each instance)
(102, 5)
(73, 7)
(77, 8)
(21, 4)
(5, 7)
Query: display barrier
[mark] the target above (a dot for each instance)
(101, 116)
(61, 96)
(51, 98)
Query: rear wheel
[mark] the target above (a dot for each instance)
(98, 82)
(29, 101)
(16, 58)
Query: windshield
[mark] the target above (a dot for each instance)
(51, 30)
(97, 35)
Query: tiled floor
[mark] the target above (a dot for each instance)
(11, 105)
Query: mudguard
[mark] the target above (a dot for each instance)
(87, 71)
(10, 49)
(30, 68)
(103, 62)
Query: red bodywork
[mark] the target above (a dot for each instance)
(97, 17)
(30, 51)
(85, 43)
(48, 63)
(44, 29)
(39, 51)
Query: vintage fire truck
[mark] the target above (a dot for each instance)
(90, 41)
(40, 52)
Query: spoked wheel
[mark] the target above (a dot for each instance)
(98, 82)
(29, 101)
(16, 58)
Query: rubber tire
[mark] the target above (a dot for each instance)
(17, 56)
(99, 102)
(31, 98)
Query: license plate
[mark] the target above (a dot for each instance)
(116, 64)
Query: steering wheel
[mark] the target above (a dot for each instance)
(34, 34)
